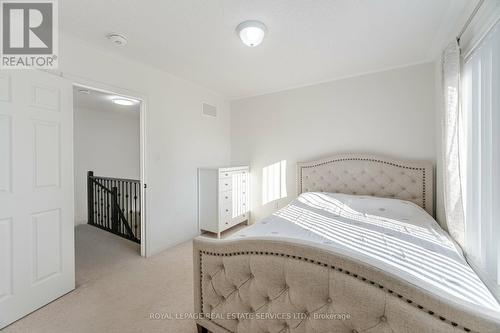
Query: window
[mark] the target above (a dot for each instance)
(480, 157)
(274, 182)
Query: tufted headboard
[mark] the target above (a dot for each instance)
(365, 174)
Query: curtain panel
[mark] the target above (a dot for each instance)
(453, 203)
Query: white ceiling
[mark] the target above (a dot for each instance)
(100, 101)
(308, 41)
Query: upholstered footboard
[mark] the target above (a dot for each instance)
(278, 286)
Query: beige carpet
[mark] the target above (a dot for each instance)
(117, 290)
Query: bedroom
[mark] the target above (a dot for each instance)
(345, 152)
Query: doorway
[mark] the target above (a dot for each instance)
(109, 168)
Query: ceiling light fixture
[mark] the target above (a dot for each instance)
(251, 32)
(117, 39)
(123, 101)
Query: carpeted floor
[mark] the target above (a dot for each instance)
(118, 291)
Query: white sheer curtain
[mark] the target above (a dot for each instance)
(451, 158)
(481, 162)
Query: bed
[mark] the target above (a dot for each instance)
(357, 251)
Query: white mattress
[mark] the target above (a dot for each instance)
(394, 235)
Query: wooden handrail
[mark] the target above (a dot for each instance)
(117, 179)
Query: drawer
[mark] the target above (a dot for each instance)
(224, 174)
(225, 184)
(226, 211)
(229, 173)
(225, 197)
(237, 182)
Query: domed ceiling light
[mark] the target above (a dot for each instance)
(251, 32)
(123, 101)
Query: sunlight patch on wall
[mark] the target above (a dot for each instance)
(274, 182)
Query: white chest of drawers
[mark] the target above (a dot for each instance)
(223, 198)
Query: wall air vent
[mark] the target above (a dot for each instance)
(209, 110)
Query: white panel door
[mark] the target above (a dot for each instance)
(36, 191)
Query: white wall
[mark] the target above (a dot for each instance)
(179, 139)
(391, 112)
(106, 142)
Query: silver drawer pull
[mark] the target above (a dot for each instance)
(227, 210)
(226, 197)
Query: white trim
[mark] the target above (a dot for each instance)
(484, 20)
(477, 41)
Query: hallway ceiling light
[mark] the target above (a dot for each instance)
(251, 32)
(123, 101)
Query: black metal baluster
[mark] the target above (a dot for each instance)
(108, 208)
(100, 205)
(119, 205)
(113, 200)
(123, 198)
(106, 204)
(96, 189)
(103, 200)
(124, 207)
(106, 199)
(113, 184)
(110, 186)
(96, 205)
(114, 208)
(135, 210)
(103, 206)
(128, 200)
(129, 204)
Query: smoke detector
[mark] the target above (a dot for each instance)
(117, 39)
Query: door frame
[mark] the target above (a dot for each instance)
(123, 92)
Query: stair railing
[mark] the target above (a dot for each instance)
(114, 205)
